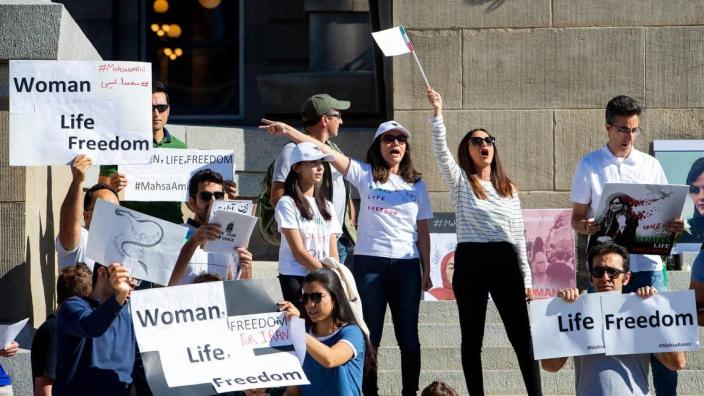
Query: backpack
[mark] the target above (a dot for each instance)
(268, 229)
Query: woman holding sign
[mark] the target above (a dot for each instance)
(335, 344)
(305, 219)
(392, 255)
(491, 250)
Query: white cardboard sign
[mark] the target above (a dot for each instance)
(59, 109)
(562, 329)
(166, 176)
(236, 230)
(148, 246)
(9, 332)
(615, 324)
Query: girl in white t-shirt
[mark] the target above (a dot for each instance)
(305, 219)
(392, 255)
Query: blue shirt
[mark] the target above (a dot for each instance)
(4, 378)
(698, 267)
(95, 348)
(343, 380)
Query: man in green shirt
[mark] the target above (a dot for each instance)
(169, 211)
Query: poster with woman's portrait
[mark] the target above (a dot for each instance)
(551, 250)
(634, 216)
(443, 241)
(683, 163)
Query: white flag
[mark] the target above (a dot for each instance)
(393, 41)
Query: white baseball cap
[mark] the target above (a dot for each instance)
(390, 126)
(308, 151)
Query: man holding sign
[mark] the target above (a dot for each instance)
(203, 187)
(601, 374)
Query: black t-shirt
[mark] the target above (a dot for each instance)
(44, 350)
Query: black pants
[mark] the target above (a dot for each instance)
(480, 269)
(291, 286)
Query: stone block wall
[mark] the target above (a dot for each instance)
(538, 74)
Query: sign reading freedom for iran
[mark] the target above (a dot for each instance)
(59, 109)
(166, 176)
(217, 337)
(615, 324)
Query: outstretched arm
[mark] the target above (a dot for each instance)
(72, 207)
(449, 169)
(341, 161)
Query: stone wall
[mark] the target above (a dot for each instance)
(538, 73)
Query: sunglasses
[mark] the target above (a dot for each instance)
(208, 195)
(315, 297)
(391, 138)
(160, 107)
(694, 189)
(477, 141)
(598, 272)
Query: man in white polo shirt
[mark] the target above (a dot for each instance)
(619, 162)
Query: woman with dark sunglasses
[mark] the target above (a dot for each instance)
(305, 219)
(392, 255)
(336, 347)
(491, 249)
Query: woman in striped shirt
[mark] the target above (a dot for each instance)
(491, 249)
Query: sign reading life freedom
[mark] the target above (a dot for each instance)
(615, 324)
(59, 109)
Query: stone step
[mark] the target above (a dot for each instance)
(510, 382)
(493, 358)
(678, 280)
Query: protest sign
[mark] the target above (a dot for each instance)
(551, 250)
(148, 246)
(664, 322)
(217, 337)
(562, 329)
(236, 230)
(59, 109)
(237, 205)
(683, 163)
(9, 332)
(634, 216)
(166, 176)
(615, 324)
(443, 240)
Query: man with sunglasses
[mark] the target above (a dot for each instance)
(600, 374)
(619, 162)
(322, 120)
(203, 187)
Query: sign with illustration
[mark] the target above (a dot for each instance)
(634, 216)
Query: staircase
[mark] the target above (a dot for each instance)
(439, 333)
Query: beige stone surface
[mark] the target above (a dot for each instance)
(440, 54)
(545, 200)
(471, 14)
(551, 68)
(609, 13)
(524, 142)
(675, 67)
(11, 177)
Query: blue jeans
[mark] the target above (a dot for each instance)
(396, 282)
(345, 248)
(664, 379)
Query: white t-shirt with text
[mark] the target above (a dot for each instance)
(315, 233)
(388, 213)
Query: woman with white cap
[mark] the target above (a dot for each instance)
(491, 251)
(306, 220)
(392, 255)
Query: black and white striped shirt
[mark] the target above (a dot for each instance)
(495, 219)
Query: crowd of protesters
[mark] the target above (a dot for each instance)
(383, 249)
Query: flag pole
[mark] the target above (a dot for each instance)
(413, 51)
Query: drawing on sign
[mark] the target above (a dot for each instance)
(133, 246)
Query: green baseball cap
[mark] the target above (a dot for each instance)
(320, 104)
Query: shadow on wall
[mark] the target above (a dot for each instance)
(493, 4)
(47, 250)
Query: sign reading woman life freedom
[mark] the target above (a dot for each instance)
(59, 109)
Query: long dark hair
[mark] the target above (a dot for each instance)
(694, 172)
(502, 184)
(342, 313)
(293, 190)
(380, 169)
